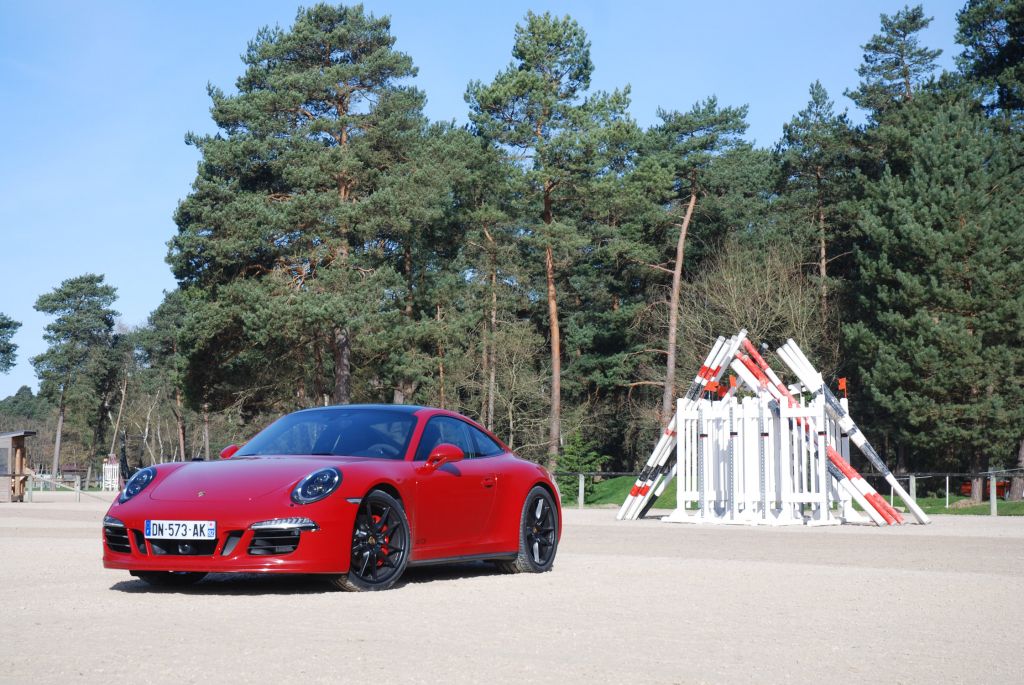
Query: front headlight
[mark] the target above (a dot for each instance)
(137, 483)
(316, 486)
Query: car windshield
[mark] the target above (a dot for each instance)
(335, 431)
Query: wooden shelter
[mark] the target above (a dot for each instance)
(14, 469)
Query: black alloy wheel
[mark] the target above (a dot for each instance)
(380, 545)
(538, 535)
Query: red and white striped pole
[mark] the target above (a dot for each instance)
(649, 486)
(666, 440)
(867, 497)
(808, 375)
(756, 379)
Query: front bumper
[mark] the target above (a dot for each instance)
(235, 550)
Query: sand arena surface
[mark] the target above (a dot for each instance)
(641, 601)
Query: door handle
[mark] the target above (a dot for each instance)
(488, 481)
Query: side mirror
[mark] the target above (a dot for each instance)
(229, 451)
(445, 453)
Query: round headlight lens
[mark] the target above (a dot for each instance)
(137, 483)
(316, 486)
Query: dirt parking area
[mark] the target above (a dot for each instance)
(641, 601)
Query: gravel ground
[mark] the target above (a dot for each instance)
(642, 601)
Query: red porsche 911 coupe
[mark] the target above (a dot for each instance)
(357, 492)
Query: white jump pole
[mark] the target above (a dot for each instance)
(646, 493)
(813, 380)
(876, 500)
(646, 474)
(849, 479)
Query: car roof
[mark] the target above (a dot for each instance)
(403, 408)
(411, 409)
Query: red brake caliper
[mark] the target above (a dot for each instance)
(387, 539)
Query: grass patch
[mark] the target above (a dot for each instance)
(614, 491)
(937, 505)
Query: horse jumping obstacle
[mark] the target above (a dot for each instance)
(777, 456)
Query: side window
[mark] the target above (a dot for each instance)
(485, 447)
(445, 429)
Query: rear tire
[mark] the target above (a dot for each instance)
(168, 578)
(380, 545)
(538, 535)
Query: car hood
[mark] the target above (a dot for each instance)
(237, 479)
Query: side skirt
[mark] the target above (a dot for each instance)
(509, 556)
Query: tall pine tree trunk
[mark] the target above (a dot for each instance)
(56, 441)
(484, 395)
(555, 428)
(206, 431)
(819, 175)
(669, 394)
(342, 369)
(978, 482)
(440, 360)
(404, 387)
(179, 420)
(492, 361)
(120, 412)
(1017, 483)
(555, 421)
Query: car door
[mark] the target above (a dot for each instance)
(453, 502)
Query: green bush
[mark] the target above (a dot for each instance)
(578, 455)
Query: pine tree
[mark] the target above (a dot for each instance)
(539, 109)
(490, 258)
(939, 340)
(78, 369)
(162, 349)
(298, 229)
(895, 64)
(689, 144)
(992, 33)
(8, 350)
(815, 168)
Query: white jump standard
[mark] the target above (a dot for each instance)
(762, 453)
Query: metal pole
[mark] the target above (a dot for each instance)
(913, 486)
(947, 492)
(579, 498)
(78, 488)
(890, 494)
(992, 495)
(31, 480)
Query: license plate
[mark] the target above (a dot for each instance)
(181, 530)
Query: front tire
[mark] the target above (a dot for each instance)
(380, 545)
(168, 579)
(538, 535)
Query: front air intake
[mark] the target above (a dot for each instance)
(274, 541)
(117, 539)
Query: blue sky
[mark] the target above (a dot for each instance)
(96, 97)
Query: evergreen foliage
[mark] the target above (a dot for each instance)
(78, 371)
(816, 176)
(580, 456)
(992, 33)
(300, 233)
(539, 109)
(552, 269)
(25, 405)
(8, 350)
(895, 63)
(939, 336)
